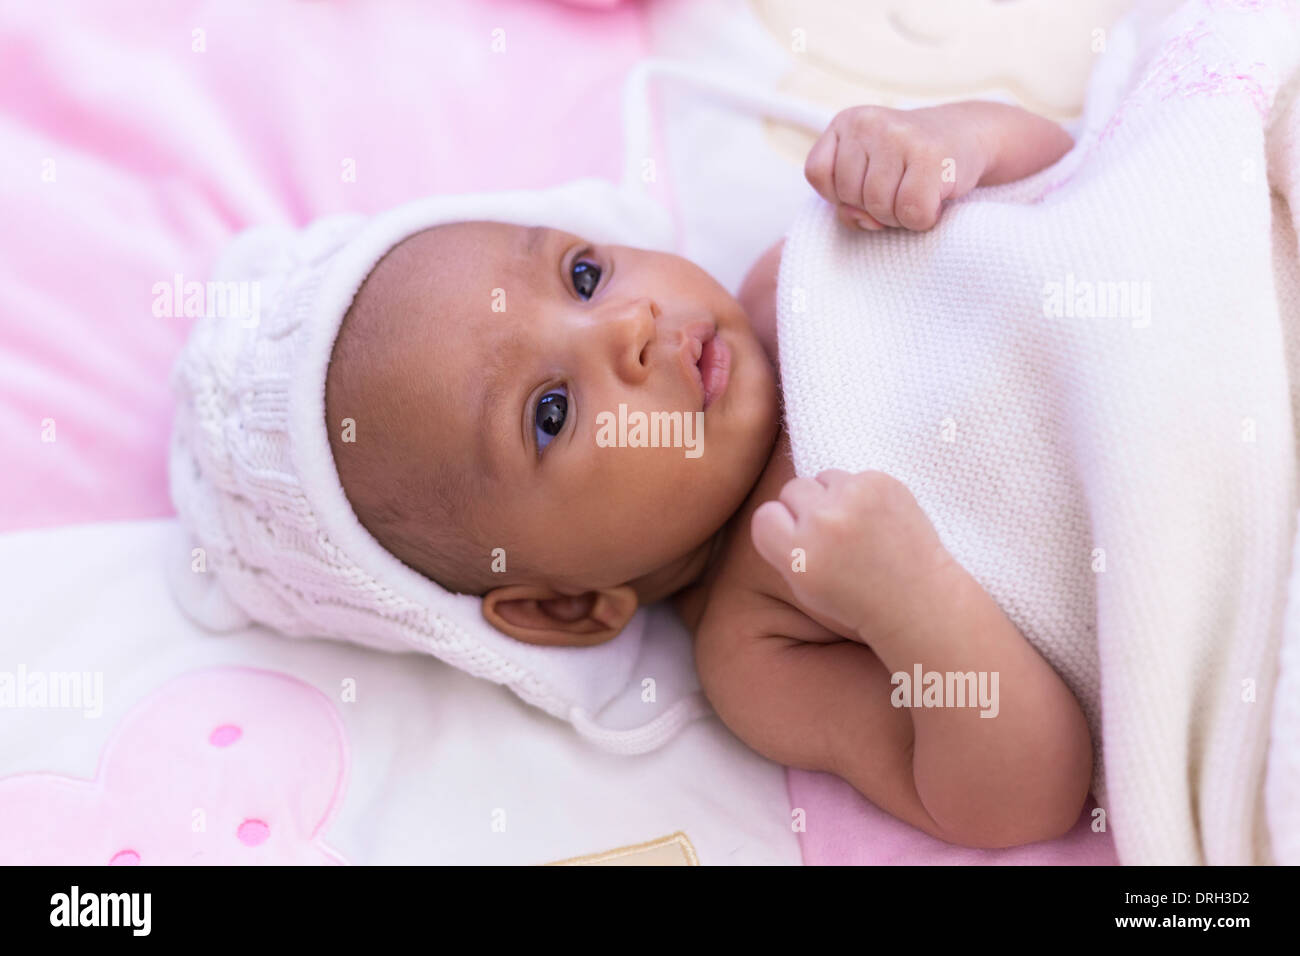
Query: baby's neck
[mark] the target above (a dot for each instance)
(688, 580)
(681, 574)
(691, 596)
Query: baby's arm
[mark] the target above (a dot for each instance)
(874, 565)
(885, 167)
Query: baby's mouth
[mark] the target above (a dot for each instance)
(714, 366)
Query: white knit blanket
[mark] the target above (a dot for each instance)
(1087, 379)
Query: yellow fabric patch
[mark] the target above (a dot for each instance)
(673, 850)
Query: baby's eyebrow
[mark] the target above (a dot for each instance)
(488, 431)
(534, 240)
(495, 382)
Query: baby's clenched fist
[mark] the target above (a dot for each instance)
(885, 167)
(854, 549)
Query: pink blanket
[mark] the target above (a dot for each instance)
(137, 142)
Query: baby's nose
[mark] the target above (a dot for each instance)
(633, 328)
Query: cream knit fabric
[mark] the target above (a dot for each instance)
(1083, 378)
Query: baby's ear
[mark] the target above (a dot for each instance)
(541, 615)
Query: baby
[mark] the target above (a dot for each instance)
(481, 436)
(481, 427)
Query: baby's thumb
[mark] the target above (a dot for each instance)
(772, 530)
(852, 216)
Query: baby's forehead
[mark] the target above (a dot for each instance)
(444, 295)
(459, 264)
(485, 242)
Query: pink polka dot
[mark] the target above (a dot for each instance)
(225, 735)
(125, 858)
(253, 832)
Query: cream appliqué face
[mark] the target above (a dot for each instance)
(1037, 53)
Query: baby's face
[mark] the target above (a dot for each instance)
(518, 344)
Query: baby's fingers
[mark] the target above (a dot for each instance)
(919, 196)
(836, 168)
(819, 167)
(841, 186)
(772, 530)
(881, 185)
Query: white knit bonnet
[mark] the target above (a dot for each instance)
(253, 477)
(269, 535)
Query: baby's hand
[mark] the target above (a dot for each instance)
(885, 167)
(868, 558)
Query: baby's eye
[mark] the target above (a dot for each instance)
(552, 409)
(586, 276)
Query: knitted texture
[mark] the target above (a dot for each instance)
(1083, 378)
(274, 540)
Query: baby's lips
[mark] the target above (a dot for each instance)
(852, 216)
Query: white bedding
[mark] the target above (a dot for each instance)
(433, 753)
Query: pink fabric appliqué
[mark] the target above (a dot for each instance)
(1184, 68)
(226, 766)
(1193, 62)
